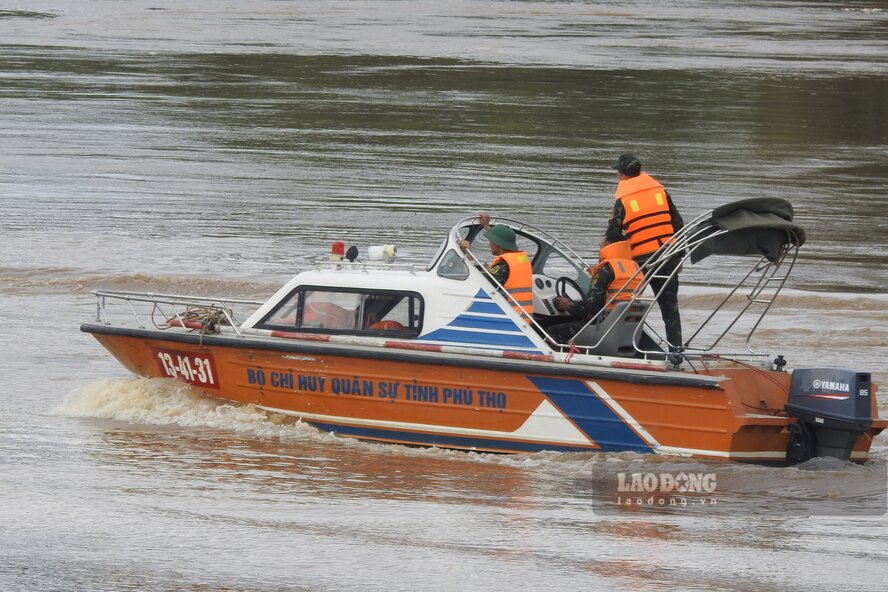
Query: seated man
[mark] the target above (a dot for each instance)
(611, 277)
(511, 267)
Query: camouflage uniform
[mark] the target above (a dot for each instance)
(583, 310)
(500, 272)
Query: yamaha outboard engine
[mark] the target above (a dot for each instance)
(833, 408)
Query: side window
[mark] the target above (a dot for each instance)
(331, 310)
(352, 312)
(284, 316)
(391, 312)
(453, 267)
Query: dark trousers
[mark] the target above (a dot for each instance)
(563, 332)
(667, 300)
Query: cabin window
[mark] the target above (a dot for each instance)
(330, 310)
(348, 311)
(453, 267)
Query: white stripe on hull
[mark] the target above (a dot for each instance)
(546, 425)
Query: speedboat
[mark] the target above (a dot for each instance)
(441, 355)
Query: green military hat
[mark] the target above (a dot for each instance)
(503, 236)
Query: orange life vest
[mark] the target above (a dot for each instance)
(619, 256)
(647, 222)
(519, 284)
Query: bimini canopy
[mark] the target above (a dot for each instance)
(758, 226)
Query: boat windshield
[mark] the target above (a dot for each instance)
(549, 256)
(437, 255)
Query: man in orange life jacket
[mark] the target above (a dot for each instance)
(613, 277)
(645, 216)
(511, 267)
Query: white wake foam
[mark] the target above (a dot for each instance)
(161, 401)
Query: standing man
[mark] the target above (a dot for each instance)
(645, 216)
(511, 267)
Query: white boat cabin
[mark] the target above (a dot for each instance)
(452, 302)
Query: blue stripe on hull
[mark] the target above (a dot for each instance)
(443, 441)
(458, 337)
(486, 308)
(484, 323)
(590, 414)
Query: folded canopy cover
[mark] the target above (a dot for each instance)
(757, 226)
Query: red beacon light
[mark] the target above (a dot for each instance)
(337, 252)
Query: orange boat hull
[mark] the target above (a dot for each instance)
(434, 399)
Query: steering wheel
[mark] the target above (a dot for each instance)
(561, 285)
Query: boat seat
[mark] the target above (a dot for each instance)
(619, 341)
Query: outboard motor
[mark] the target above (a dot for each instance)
(833, 407)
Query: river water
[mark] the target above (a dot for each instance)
(218, 147)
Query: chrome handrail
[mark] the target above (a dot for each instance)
(221, 305)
